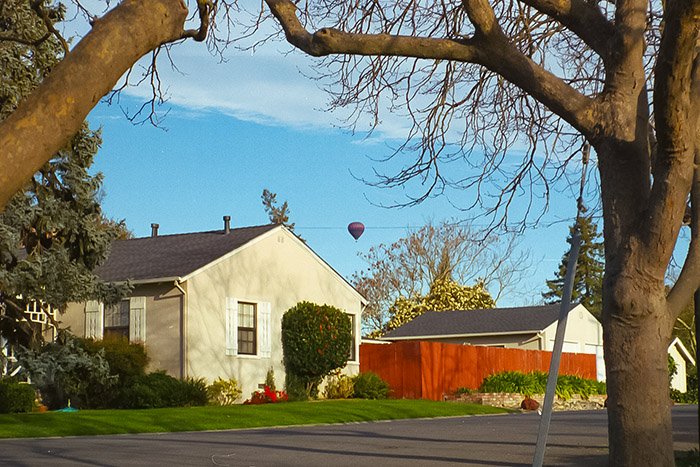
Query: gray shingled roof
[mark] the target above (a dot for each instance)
(496, 320)
(167, 256)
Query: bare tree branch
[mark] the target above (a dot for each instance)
(205, 8)
(488, 47)
(332, 41)
(689, 279)
(677, 92)
(583, 18)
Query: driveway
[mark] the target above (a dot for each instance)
(576, 438)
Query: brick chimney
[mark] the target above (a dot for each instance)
(154, 230)
(227, 224)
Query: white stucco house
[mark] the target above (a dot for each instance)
(210, 304)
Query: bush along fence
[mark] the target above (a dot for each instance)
(433, 370)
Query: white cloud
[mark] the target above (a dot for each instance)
(267, 87)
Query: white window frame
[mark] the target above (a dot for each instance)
(263, 328)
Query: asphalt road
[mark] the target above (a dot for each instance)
(576, 438)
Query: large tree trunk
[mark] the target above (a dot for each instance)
(636, 340)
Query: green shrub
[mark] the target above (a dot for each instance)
(158, 389)
(64, 371)
(193, 392)
(224, 392)
(526, 384)
(462, 390)
(369, 385)
(270, 380)
(126, 360)
(316, 341)
(568, 385)
(535, 382)
(691, 396)
(339, 387)
(139, 395)
(16, 397)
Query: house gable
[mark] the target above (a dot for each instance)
(288, 236)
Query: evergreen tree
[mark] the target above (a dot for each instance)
(52, 234)
(277, 214)
(588, 282)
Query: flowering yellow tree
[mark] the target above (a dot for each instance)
(444, 295)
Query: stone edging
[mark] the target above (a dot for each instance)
(513, 400)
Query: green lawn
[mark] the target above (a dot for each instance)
(102, 422)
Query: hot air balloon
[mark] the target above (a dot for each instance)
(356, 229)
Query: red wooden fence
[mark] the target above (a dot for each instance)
(429, 370)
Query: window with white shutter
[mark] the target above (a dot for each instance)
(93, 319)
(231, 326)
(353, 339)
(137, 319)
(264, 331)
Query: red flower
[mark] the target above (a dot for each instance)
(267, 396)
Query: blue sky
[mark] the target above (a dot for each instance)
(256, 122)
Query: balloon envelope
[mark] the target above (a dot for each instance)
(356, 229)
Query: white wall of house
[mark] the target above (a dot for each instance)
(678, 381)
(683, 359)
(277, 271)
(584, 334)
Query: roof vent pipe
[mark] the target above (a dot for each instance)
(154, 230)
(227, 224)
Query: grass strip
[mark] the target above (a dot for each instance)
(103, 422)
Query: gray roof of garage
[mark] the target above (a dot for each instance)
(488, 321)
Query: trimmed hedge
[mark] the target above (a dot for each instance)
(157, 390)
(316, 340)
(16, 397)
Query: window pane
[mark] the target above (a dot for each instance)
(246, 328)
(246, 341)
(246, 315)
(117, 315)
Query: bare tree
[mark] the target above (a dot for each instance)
(449, 250)
(624, 75)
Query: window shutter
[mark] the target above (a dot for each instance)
(264, 331)
(137, 319)
(231, 326)
(93, 319)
